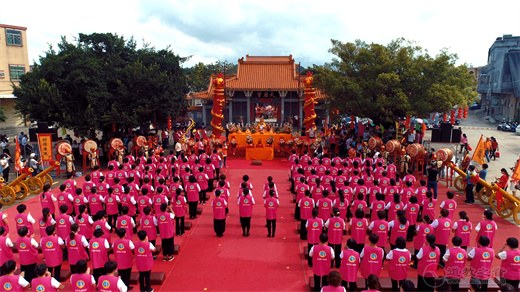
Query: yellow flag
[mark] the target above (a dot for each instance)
(516, 172)
(480, 152)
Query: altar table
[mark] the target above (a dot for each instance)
(259, 153)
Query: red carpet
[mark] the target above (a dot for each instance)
(254, 263)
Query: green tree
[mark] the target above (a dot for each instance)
(103, 79)
(3, 118)
(388, 82)
(198, 76)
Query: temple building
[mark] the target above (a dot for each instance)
(268, 87)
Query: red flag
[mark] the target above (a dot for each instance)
(17, 157)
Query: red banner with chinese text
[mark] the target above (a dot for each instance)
(45, 143)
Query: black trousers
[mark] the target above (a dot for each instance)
(454, 283)
(219, 225)
(167, 246)
(202, 196)
(442, 249)
(271, 227)
(359, 247)
(193, 209)
(57, 272)
(410, 233)
(125, 275)
(336, 260)
(425, 283)
(30, 273)
(396, 284)
(246, 224)
(297, 212)
(210, 185)
(349, 286)
(483, 284)
(98, 273)
(112, 220)
(5, 174)
(309, 261)
(179, 225)
(319, 282)
(303, 229)
(513, 283)
(145, 284)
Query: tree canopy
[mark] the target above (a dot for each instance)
(103, 79)
(387, 82)
(199, 74)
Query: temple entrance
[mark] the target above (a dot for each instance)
(269, 111)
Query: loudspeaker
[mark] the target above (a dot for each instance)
(446, 127)
(42, 127)
(436, 135)
(455, 135)
(256, 162)
(32, 134)
(446, 135)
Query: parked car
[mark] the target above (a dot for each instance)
(475, 106)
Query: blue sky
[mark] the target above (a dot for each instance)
(228, 30)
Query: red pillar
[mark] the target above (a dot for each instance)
(308, 106)
(218, 104)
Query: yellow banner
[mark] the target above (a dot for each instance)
(479, 155)
(45, 143)
(516, 172)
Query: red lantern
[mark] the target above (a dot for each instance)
(452, 117)
(445, 118)
(465, 115)
(459, 113)
(169, 123)
(114, 127)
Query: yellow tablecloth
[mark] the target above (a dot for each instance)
(241, 138)
(261, 153)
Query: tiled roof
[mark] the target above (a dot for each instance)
(261, 73)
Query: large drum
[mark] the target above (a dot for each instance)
(393, 146)
(88, 145)
(415, 150)
(63, 147)
(445, 155)
(140, 141)
(374, 143)
(115, 143)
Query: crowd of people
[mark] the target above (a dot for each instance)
(383, 209)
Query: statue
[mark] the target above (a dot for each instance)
(69, 163)
(262, 125)
(93, 158)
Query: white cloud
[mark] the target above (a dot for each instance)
(228, 30)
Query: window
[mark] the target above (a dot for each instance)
(14, 37)
(2, 74)
(16, 72)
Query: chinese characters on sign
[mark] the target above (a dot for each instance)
(45, 143)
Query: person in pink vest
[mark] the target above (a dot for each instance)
(133, 187)
(179, 208)
(429, 205)
(123, 248)
(44, 281)
(455, 260)
(202, 180)
(143, 201)
(420, 240)
(24, 219)
(52, 249)
(65, 198)
(87, 186)
(271, 213)
(166, 229)
(82, 280)
(47, 199)
(144, 260)
(149, 224)
(342, 203)
(510, 266)
(126, 222)
(380, 227)
(219, 214)
(371, 258)
(358, 229)
(6, 247)
(407, 192)
(96, 175)
(372, 283)
(398, 228)
(420, 193)
(314, 229)
(77, 246)
(428, 257)
(95, 201)
(334, 280)
(158, 199)
(462, 229)
(324, 206)
(109, 282)
(378, 204)
(63, 223)
(99, 248)
(100, 222)
(449, 204)
(411, 210)
(192, 194)
(300, 189)
(85, 222)
(442, 228)
(79, 200)
(306, 205)
(349, 265)
(322, 256)
(394, 206)
(481, 259)
(11, 282)
(45, 220)
(399, 258)
(487, 227)
(335, 226)
(128, 201)
(27, 250)
(224, 192)
(70, 183)
(245, 208)
(112, 207)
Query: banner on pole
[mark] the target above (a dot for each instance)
(45, 143)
